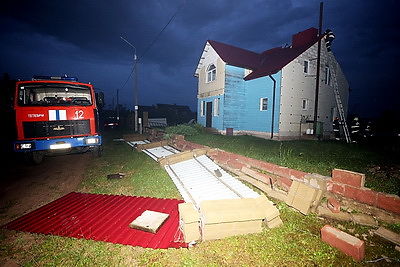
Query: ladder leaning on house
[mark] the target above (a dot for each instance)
(339, 104)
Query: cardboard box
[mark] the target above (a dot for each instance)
(189, 220)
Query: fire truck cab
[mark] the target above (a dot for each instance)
(55, 115)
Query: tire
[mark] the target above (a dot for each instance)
(97, 151)
(34, 158)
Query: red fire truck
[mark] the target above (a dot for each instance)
(55, 115)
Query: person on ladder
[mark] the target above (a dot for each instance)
(355, 130)
(336, 128)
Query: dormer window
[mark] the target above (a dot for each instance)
(211, 73)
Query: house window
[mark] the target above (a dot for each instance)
(216, 107)
(211, 73)
(263, 103)
(305, 66)
(202, 108)
(327, 76)
(304, 104)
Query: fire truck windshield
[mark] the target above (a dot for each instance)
(54, 94)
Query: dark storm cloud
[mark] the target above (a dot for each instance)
(83, 38)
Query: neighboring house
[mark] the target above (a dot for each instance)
(269, 94)
(175, 114)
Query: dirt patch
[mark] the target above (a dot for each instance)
(25, 188)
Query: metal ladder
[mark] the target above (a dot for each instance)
(338, 99)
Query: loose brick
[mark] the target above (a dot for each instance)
(348, 244)
(333, 205)
(388, 202)
(348, 177)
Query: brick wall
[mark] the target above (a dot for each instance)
(345, 183)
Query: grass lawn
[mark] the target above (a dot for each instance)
(381, 168)
(296, 243)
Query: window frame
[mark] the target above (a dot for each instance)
(216, 107)
(305, 104)
(202, 108)
(211, 73)
(328, 75)
(306, 66)
(262, 104)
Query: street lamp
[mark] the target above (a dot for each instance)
(136, 107)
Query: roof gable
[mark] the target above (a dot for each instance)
(270, 61)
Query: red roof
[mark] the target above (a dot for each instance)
(270, 61)
(104, 218)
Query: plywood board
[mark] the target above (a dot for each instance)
(149, 221)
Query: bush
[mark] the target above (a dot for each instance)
(184, 129)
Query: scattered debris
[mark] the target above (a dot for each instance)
(149, 221)
(119, 175)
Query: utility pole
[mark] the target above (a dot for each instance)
(321, 7)
(135, 90)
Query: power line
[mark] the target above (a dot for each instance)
(154, 41)
(166, 25)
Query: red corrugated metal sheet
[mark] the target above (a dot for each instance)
(104, 218)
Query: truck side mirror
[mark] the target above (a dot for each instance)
(100, 99)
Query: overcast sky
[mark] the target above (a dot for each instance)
(82, 38)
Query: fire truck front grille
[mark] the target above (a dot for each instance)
(36, 129)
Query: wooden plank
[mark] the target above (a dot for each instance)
(149, 221)
(388, 235)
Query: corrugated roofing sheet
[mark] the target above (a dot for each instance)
(104, 218)
(195, 181)
(160, 152)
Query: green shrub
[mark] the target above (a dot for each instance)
(184, 129)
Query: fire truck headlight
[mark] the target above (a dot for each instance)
(92, 141)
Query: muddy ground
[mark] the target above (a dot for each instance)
(25, 188)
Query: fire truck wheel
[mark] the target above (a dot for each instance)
(96, 151)
(34, 158)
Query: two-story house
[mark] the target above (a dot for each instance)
(269, 94)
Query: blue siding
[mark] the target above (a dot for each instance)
(240, 104)
(235, 98)
(217, 121)
(261, 120)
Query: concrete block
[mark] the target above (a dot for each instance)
(348, 177)
(302, 197)
(364, 219)
(189, 221)
(333, 205)
(348, 244)
(149, 221)
(326, 213)
(316, 180)
(388, 235)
